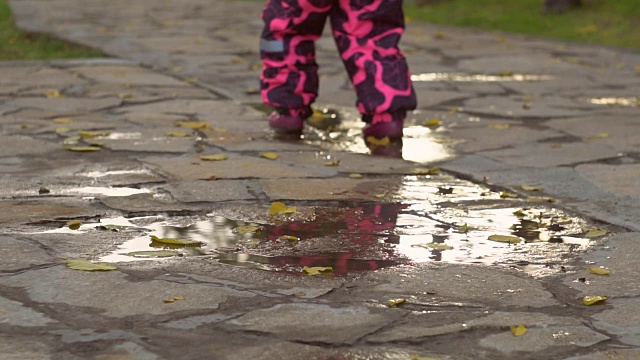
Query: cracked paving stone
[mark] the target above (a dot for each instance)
(67, 105)
(350, 162)
(148, 140)
(542, 108)
(543, 155)
(28, 210)
(455, 285)
(17, 254)
(621, 180)
(475, 138)
(622, 320)
(144, 203)
(317, 322)
(326, 189)
(618, 354)
(136, 76)
(114, 295)
(16, 314)
(23, 145)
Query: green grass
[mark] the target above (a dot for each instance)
(18, 45)
(606, 22)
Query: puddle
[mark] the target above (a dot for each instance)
(108, 191)
(100, 174)
(424, 222)
(462, 77)
(616, 101)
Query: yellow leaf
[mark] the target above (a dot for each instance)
(426, 171)
(637, 68)
(453, 111)
(86, 265)
(530, 188)
(252, 91)
(269, 155)
(278, 208)
(93, 134)
(178, 134)
(173, 299)
(598, 136)
(519, 213)
(395, 302)
(191, 79)
(595, 232)
(237, 60)
(505, 73)
(331, 163)
(193, 125)
(317, 270)
(247, 229)
(599, 271)
(175, 241)
(518, 330)
(215, 157)
(432, 123)
(355, 176)
(506, 195)
(74, 224)
(63, 121)
(288, 238)
(592, 300)
(60, 130)
(379, 196)
(498, 126)
(71, 140)
(124, 96)
(82, 148)
(463, 228)
(54, 94)
(505, 239)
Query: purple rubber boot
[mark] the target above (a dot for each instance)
(286, 123)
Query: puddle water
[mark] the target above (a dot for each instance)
(462, 77)
(616, 101)
(108, 191)
(426, 221)
(99, 174)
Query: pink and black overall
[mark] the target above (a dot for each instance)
(366, 32)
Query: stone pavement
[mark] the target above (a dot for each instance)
(513, 111)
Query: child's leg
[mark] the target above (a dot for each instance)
(367, 35)
(289, 79)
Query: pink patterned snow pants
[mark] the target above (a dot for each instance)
(366, 32)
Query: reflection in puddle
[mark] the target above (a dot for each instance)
(108, 191)
(461, 77)
(430, 221)
(617, 101)
(99, 174)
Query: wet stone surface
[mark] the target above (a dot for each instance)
(115, 148)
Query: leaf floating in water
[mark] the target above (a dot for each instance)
(278, 208)
(599, 271)
(518, 330)
(395, 302)
(215, 157)
(508, 195)
(152, 254)
(197, 125)
(519, 213)
(114, 228)
(53, 94)
(178, 134)
(93, 134)
(505, 239)
(74, 224)
(175, 241)
(463, 228)
(355, 176)
(434, 246)
(426, 171)
(592, 300)
(288, 238)
(86, 265)
(269, 155)
(83, 148)
(432, 123)
(498, 126)
(317, 270)
(530, 188)
(595, 232)
(248, 229)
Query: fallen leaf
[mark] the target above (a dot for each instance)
(595, 232)
(269, 155)
(168, 301)
(540, 199)
(603, 135)
(237, 60)
(505, 73)
(317, 270)
(508, 195)
(191, 80)
(530, 188)
(278, 208)
(599, 271)
(247, 229)
(178, 134)
(331, 163)
(379, 196)
(518, 330)
(93, 134)
(152, 254)
(214, 157)
(252, 91)
(432, 123)
(463, 228)
(171, 241)
(355, 176)
(63, 121)
(592, 300)
(86, 265)
(519, 213)
(173, 299)
(178, 298)
(61, 130)
(395, 302)
(433, 246)
(53, 94)
(124, 96)
(83, 148)
(498, 126)
(426, 171)
(74, 224)
(288, 238)
(505, 239)
(453, 111)
(193, 125)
